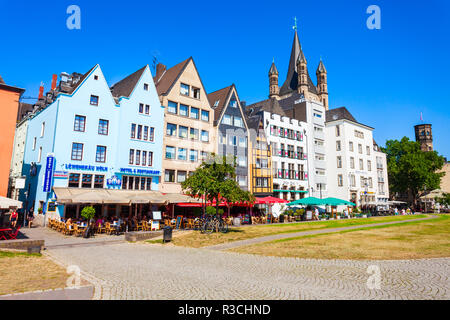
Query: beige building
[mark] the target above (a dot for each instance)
(189, 133)
(445, 180)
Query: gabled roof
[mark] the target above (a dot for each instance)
(270, 105)
(221, 96)
(168, 79)
(75, 86)
(124, 87)
(291, 83)
(339, 114)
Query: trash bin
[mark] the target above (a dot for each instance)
(167, 236)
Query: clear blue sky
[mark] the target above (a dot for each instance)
(385, 77)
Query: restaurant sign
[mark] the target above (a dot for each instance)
(140, 171)
(85, 167)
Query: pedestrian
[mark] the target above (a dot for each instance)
(30, 217)
(346, 212)
(316, 214)
(396, 211)
(13, 217)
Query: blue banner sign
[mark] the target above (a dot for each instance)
(48, 174)
(86, 167)
(139, 171)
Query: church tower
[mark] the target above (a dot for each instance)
(302, 71)
(322, 87)
(424, 135)
(274, 90)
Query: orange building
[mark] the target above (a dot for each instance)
(9, 105)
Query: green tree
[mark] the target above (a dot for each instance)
(88, 213)
(215, 180)
(410, 169)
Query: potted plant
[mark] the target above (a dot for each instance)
(39, 210)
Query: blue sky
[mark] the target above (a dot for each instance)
(384, 77)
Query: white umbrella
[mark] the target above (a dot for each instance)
(6, 203)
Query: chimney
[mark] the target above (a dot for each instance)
(54, 79)
(160, 69)
(41, 91)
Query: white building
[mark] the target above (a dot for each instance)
(356, 167)
(17, 156)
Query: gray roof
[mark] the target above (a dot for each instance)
(339, 114)
(291, 83)
(270, 105)
(124, 87)
(321, 67)
(273, 69)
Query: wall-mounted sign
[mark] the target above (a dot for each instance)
(140, 171)
(48, 174)
(61, 174)
(85, 167)
(20, 183)
(51, 206)
(114, 182)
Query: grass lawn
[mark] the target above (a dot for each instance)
(23, 272)
(196, 239)
(413, 240)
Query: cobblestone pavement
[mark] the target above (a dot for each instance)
(151, 271)
(235, 244)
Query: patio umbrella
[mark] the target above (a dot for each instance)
(337, 202)
(272, 200)
(311, 201)
(6, 203)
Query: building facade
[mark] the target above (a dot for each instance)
(9, 106)
(92, 137)
(17, 157)
(189, 132)
(232, 130)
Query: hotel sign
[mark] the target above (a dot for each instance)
(140, 171)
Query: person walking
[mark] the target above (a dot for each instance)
(13, 218)
(30, 217)
(316, 214)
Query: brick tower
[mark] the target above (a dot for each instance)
(424, 135)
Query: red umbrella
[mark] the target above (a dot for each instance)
(272, 200)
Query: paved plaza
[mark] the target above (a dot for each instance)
(153, 271)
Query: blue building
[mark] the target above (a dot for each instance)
(93, 138)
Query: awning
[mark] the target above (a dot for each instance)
(112, 196)
(7, 203)
(311, 201)
(336, 202)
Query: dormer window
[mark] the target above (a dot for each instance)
(146, 86)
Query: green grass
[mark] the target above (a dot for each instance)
(12, 254)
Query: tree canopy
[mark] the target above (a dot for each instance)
(410, 169)
(215, 180)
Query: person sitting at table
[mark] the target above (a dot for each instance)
(99, 222)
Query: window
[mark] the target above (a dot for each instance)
(150, 158)
(184, 110)
(370, 183)
(145, 86)
(238, 122)
(170, 152)
(194, 113)
(203, 155)
(363, 182)
(338, 131)
(34, 143)
(339, 162)
(181, 177)
(152, 134)
(352, 180)
(196, 92)
(169, 176)
(350, 145)
(145, 137)
(138, 157)
(183, 132)
(243, 142)
(172, 107)
(141, 108)
(340, 180)
(77, 151)
(103, 127)
(194, 134)
(171, 129)
(369, 165)
(317, 115)
(100, 155)
(80, 123)
(184, 89)
(338, 145)
(39, 155)
(205, 136)
(139, 132)
(42, 129)
(360, 148)
(86, 181)
(95, 77)
(147, 109)
(226, 119)
(74, 180)
(149, 184)
(205, 115)
(144, 158)
(94, 101)
(232, 140)
(242, 161)
(131, 158)
(193, 155)
(352, 163)
(242, 181)
(182, 154)
(359, 134)
(99, 181)
(368, 150)
(361, 164)
(133, 131)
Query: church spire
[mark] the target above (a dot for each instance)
(274, 90)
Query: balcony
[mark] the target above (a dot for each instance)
(290, 175)
(319, 149)
(320, 164)
(283, 153)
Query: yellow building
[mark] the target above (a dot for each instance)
(260, 160)
(189, 133)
